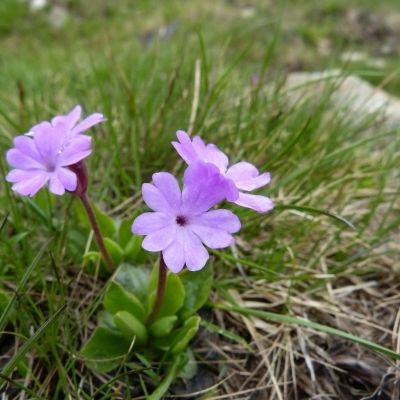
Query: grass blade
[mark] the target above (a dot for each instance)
(313, 210)
(21, 286)
(3, 223)
(9, 367)
(162, 388)
(287, 319)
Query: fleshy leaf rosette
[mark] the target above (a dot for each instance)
(242, 175)
(47, 153)
(182, 222)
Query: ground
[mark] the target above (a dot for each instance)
(209, 67)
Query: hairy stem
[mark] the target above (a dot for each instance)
(162, 280)
(96, 229)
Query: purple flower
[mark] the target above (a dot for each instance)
(243, 175)
(44, 155)
(181, 223)
(70, 121)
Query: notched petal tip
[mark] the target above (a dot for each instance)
(182, 136)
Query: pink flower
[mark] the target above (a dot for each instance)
(181, 223)
(243, 175)
(45, 154)
(70, 121)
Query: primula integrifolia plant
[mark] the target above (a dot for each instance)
(183, 222)
(52, 153)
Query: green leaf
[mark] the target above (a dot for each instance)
(131, 327)
(115, 251)
(163, 326)
(135, 280)
(105, 349)
(117, 298)
(197, 290)
(133, 250)
(287, 319)
(186, 334)
(174, 296)
(125, 232)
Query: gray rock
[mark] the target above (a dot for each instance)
(347, 93)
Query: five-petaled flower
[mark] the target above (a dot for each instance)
(181, 222)
(243, 175)
(44, 154)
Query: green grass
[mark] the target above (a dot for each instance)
(114, 59)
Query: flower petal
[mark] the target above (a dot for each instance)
(185, 249)
(48, 141)
(185, 147)
(259, 203)
(68, 178)
(212, 237)
(88, 122)
(174, 256)
(217, 157)
(154, 199)
(196, 150)
(38, 127)
(220, 219)
(161, 239)
(196, 255)
(164, 195)
(169, 188)
(214, 228)
(204, 187)
(150, 222)
(22, 161)
(78, 149)
(247, 177)
(26, 145)
(55, 185)
(17, 175)
(69, 120)
(29, 187)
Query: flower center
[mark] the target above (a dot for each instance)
(181, 220)
(50, 167)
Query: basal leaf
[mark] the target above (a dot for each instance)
(163, 326)
(105, 349)
(174, 296)
(135, 280)
(131, 327)
(186, 334)
(117, 298)
(115, 251)
(197, 289)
